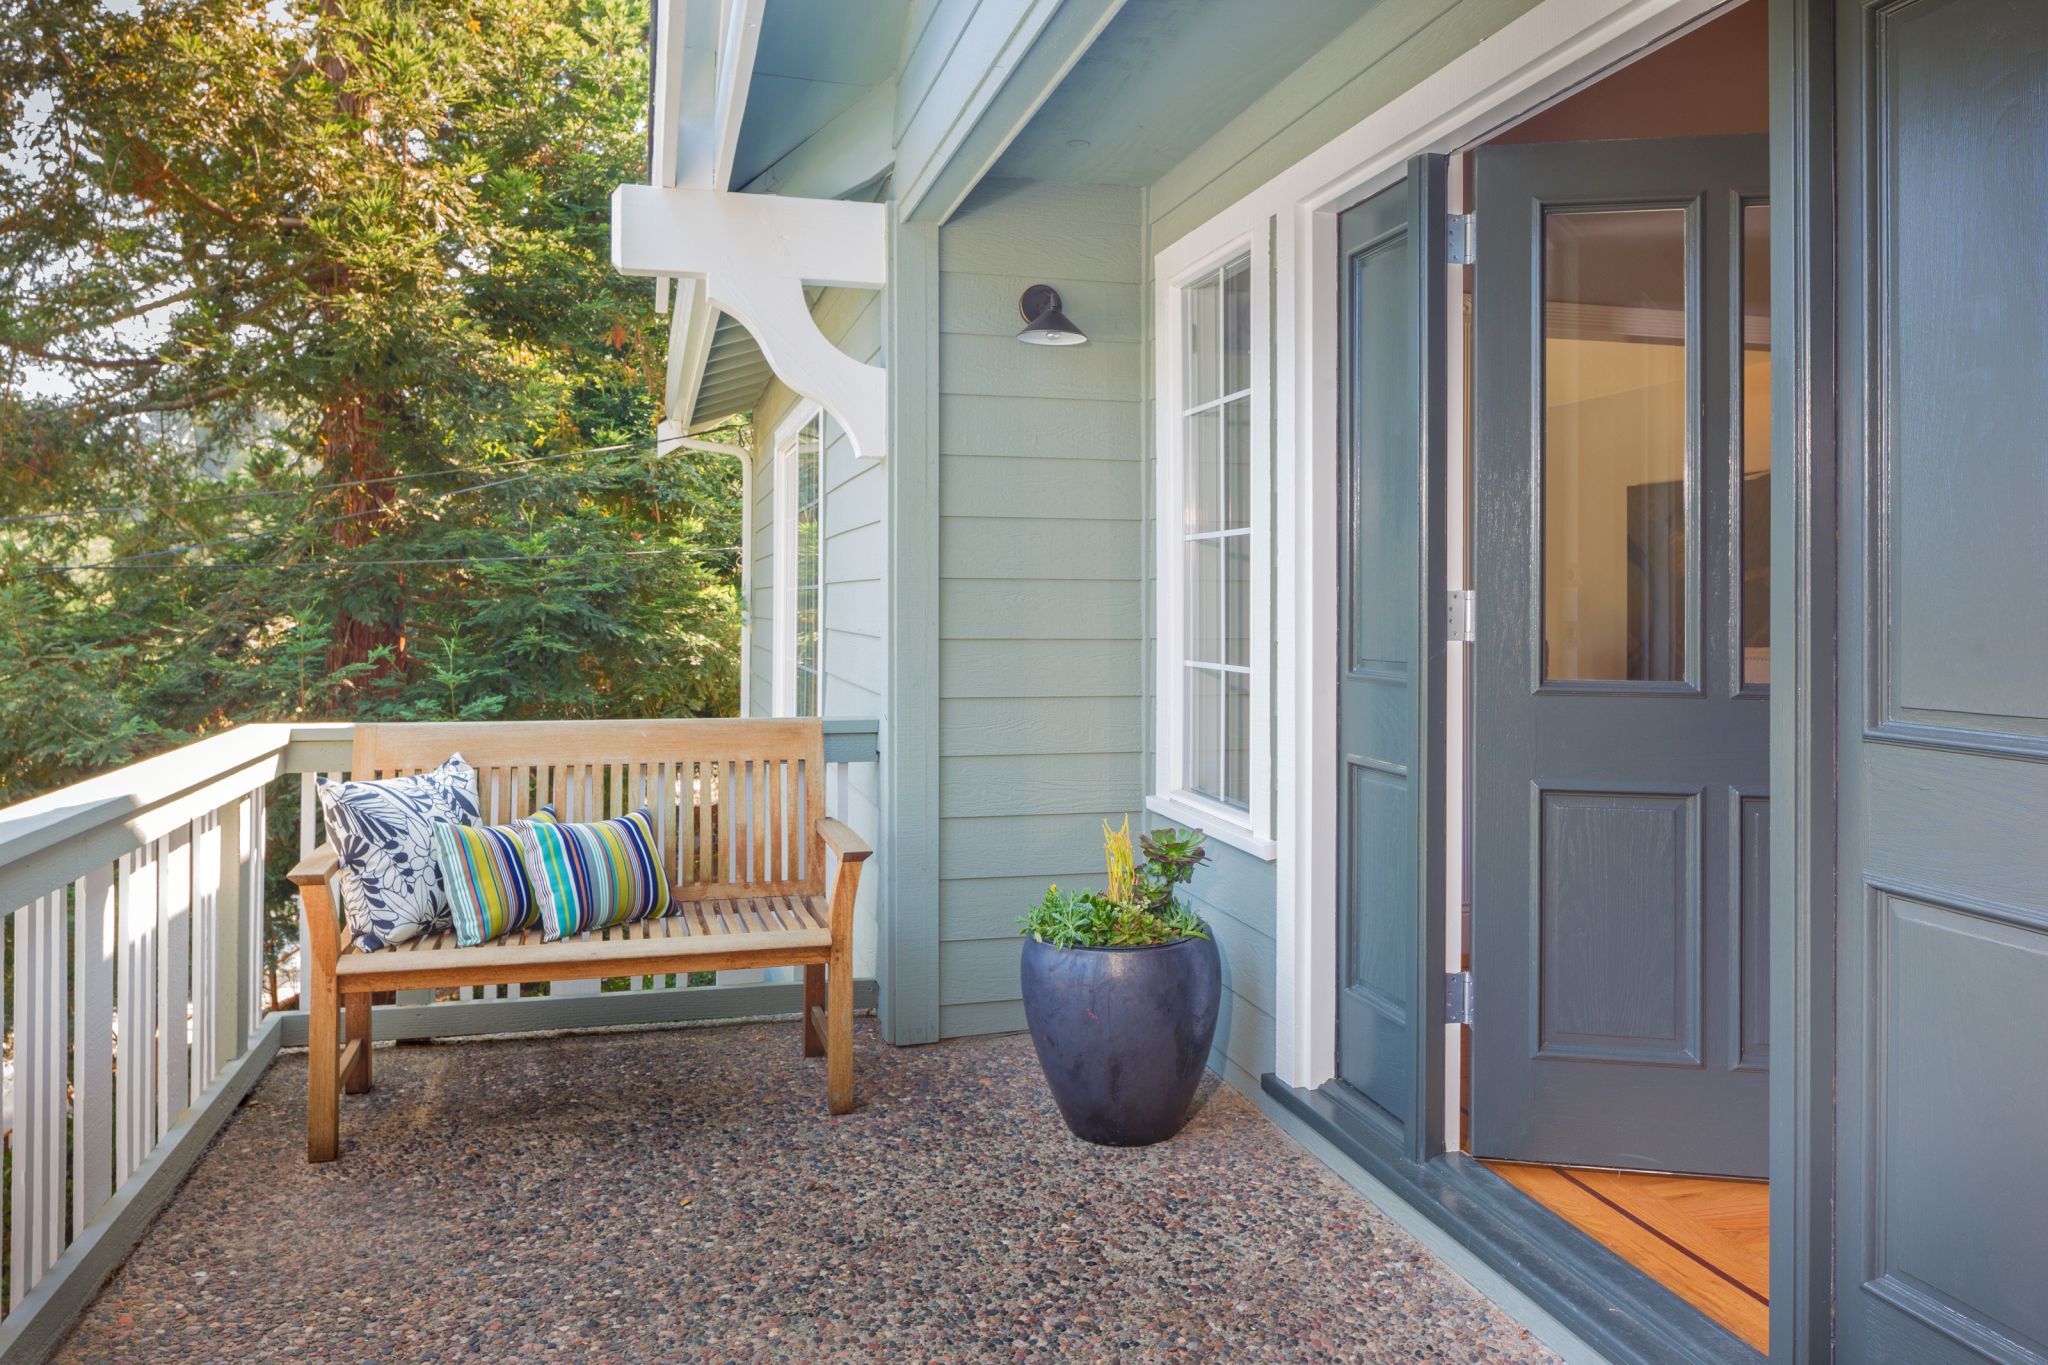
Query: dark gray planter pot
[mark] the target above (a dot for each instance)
(1123, 1033)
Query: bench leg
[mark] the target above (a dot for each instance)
(814, 999)
(358, 1008)
(839, 1032)
(323, 1069)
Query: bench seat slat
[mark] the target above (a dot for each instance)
(702, 927)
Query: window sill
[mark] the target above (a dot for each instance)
(1214, 824)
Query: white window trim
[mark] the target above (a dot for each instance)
(1537, 57)
(784, 624)
(1249, 830)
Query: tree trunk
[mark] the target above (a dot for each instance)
(351, 424)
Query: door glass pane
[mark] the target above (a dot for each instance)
(1205, 342)
(1204, 511)
(1237, 327)
(1614, 471)
(1756, 445)
(1237, 599)
(1205, 731)
(1237, 463)
(1205, 601)
(1237, 738)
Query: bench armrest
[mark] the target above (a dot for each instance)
(314, 876)
(843, 840)
(316, 867)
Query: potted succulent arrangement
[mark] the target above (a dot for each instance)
(1121, 988)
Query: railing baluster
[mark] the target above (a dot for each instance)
(136, 1006)
(256, 907)
(205, 948)
(40, 1051)
(94, 930)
(174, 965)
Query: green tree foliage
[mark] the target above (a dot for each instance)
(289, 285)
(309, 337)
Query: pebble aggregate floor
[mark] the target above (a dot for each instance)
(681, 1195)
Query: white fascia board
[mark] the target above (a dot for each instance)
(738, 40)
(755, 253)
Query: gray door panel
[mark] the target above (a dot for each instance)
(1390, 646)
(1621, 759)
(1942, 879)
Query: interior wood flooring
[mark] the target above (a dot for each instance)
(1706, 1240)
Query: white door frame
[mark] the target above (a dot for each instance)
(1539, 57)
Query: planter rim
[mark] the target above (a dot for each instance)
(1122, 947)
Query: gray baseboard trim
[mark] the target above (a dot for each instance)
(39, 1322)
(475, 1018)
(1599, 1298)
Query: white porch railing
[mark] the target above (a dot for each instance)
(135, 1013)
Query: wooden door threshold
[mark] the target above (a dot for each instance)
(1706, 1240)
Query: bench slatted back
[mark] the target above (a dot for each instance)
(735, 803)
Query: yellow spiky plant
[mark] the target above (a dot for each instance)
(1122, 862)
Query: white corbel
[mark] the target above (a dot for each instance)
(755, 254)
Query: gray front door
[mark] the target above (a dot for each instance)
(1621, 728)
(1390, 691)
(1941, 865)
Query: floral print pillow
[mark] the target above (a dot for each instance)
(384, 833)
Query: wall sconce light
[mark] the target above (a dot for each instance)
(1045, 324)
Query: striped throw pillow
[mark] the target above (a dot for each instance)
(594, 876)
(484, 873)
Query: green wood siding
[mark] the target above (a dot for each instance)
(1040, 614)
(1391, 47)
(1235, 894)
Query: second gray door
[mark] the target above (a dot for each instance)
(1620, 731)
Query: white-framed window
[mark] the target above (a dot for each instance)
(1214, 549)
(800, 562)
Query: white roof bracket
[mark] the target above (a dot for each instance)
(755, 254)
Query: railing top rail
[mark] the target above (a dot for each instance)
(31, 826)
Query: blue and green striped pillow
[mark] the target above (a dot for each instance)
(594, 876)
(484, 874)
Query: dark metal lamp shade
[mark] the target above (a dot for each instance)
(1045, 324)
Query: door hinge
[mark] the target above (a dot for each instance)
(1458, 616)
(1459, 246)
(1458, 997)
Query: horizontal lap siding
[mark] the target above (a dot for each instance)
(851, 616)
(1041, 567)
(1234, 893)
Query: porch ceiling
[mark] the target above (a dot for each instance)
(680, 1192)
(1164, 77)
(816, 59)
(735, 375)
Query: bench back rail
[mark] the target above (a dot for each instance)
(736, 803)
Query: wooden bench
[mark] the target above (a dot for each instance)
(739, 807)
